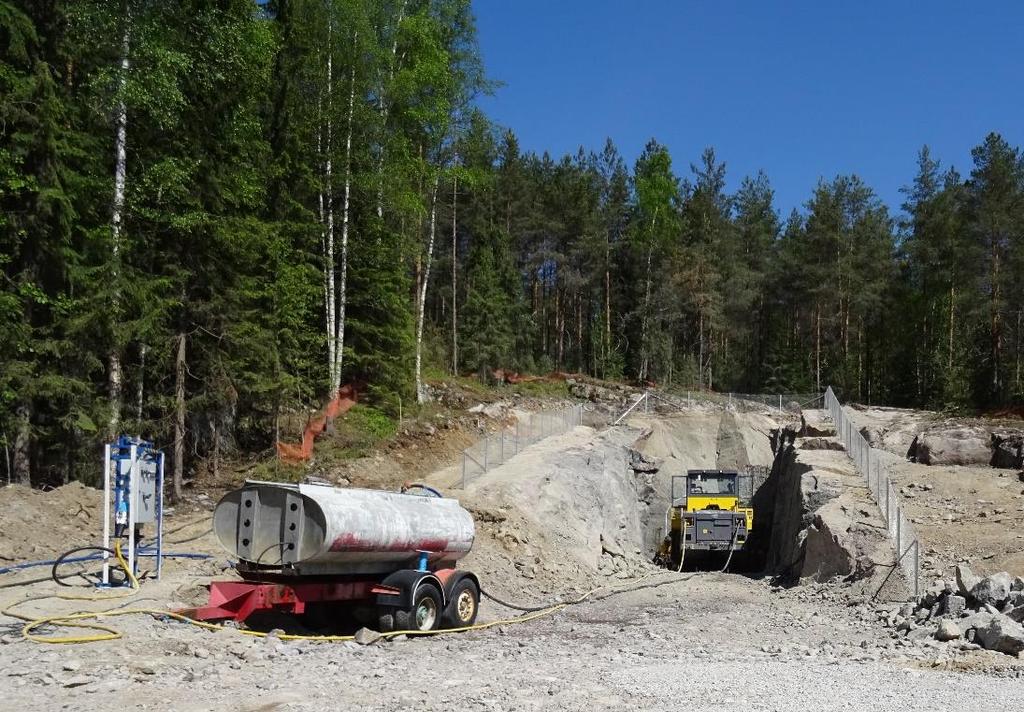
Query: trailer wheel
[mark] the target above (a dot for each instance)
(385, 621)
(463, 605)
(425, 612)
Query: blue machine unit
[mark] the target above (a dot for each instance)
(133, 484)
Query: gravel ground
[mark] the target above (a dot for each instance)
(679, 639)
(673, 640)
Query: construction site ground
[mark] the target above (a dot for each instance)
(565, 517)
(970, 514)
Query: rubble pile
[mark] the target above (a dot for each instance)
(981, 612)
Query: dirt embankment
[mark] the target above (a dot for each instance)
(37, 525)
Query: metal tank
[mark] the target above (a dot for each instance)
(319, 529)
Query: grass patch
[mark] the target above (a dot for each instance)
(274, 470)
(542, 389)
(356, 434)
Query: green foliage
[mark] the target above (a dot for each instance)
(264, 146)
(358, 432)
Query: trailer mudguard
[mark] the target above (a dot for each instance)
(404, 584)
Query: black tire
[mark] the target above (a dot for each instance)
(463, 605)
(385, 620)
(425, 613)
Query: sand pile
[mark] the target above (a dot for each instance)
(37, 525)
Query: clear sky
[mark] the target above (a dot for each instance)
(802, 88)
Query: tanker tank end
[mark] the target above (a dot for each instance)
(320, 530)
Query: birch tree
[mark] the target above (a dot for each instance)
(116, 218)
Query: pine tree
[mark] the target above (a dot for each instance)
(655, 224)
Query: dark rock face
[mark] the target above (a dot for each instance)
(1007, 449)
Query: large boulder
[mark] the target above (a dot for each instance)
(826, 552)
(948, 630)
(952, 445)
(1007, 449)
(954, 605)
(1003, 635)
(966, 580)
(993, 590)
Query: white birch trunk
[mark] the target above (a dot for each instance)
(421, 307)
(140, 389)
(383, 108)
(328, 211)
(115, 377)
(455, 273)
(339, 327)
(178, 477)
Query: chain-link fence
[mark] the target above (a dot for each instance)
(649, 401)
(869, 462)
(792, 402)
(499, 447)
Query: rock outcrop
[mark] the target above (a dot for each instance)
(822, 527)
(952, 445)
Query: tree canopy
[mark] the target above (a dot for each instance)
(212, 215)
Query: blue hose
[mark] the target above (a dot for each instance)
(96, 557)
(418, 485)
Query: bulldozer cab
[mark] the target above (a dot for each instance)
(707, 489)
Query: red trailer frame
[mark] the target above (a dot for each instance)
(237, 600)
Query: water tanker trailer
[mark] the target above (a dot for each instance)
(390, 556)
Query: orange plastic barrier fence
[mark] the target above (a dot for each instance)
(340, 404)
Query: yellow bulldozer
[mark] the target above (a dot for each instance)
(710, 511)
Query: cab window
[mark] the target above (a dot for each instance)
(711, 484)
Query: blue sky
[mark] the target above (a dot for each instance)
(801, 89)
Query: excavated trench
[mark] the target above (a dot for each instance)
(745, 442)
(596, 502)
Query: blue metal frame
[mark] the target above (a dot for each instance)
(120, 451)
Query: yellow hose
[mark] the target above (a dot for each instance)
(67, 620)
(71, 620)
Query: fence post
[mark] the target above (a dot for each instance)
(780, 403)
(917, 568)
(463, 469)
(502, 440)
(899, 531)
(517, 437)
(487, 443)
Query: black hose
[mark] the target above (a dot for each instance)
(524, 609)
(60, 560)
(587, 596)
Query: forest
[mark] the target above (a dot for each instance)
(215, 213)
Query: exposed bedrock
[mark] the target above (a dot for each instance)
(816, 522)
